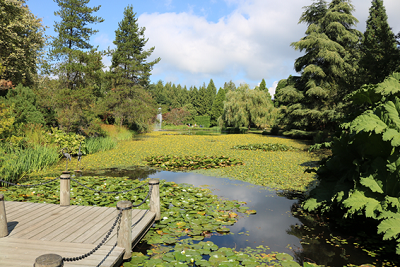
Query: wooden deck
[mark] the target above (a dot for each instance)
(36, 229)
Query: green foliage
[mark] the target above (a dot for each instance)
(16, 165)
(381, 55)
(191, 162)
(265, 147)
(96, 144)
(69, 141)
(129, 65)
(21, 42)
(363, 174)
(177, 116)
(245, 108)
(6, 119)
(25, 110)
(217, 107)
(202, 121)
(314, 101)
(71, 47)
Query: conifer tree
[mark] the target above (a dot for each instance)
(380, 53)
(71, 47)
(328, 68)
(129, 58)
(217, 107)
(211, 94)
(263, 86)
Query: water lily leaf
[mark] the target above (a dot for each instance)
(284, 257)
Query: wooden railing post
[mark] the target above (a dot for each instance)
(155, 197)
(49, 260)
(124, 238)
(3, 218)
(65, 187)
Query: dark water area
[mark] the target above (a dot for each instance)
(277, 223)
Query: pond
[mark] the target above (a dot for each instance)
(277, 224)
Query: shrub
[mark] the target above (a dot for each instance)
(203, 120)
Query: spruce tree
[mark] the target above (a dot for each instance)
(328, 68)
(379, 47)
(129, 58)
(71, 47)
(211, 94)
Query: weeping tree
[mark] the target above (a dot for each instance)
(327, 69)
(245, 108)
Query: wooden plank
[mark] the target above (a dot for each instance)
(86, 232)
(57, 224)
(77, 226)
(19, 209)
(18, 252)
(31, 212)
(21, 221)
(46, 220)
(146, 222)
(135, 216)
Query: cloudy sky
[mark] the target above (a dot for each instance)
(223, 40)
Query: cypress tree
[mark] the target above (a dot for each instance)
(129, 58)
(379, 47)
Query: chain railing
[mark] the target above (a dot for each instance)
(29, 185)
(124, 215)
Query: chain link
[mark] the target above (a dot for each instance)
(141, 218)
(118, 220)
(105, 192)
(29, 185)
(144, 200)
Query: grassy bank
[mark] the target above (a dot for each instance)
(277, 169)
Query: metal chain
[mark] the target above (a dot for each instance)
(105, 192)
(118, 219)
(29, 185)
(108, 254)
(144, 200)
(141, 218)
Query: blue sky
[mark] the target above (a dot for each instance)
(223, 40)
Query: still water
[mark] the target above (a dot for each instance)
(274, 225)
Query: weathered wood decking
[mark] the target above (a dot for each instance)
(36, 229)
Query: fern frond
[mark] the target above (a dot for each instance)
(390, 227)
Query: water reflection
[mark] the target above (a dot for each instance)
(277, 223)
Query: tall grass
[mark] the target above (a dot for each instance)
(96, 144)
(119, 133)
(14, 166)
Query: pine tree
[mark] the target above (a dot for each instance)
(71, 47)
(211, 93)
(380, 53)
(328, 68)
(129, 58)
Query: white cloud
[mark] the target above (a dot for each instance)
(272, 89)
(254, 39)
(250, 43)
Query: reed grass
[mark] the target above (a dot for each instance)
(15, 166)
(119, 133)
(96, 144)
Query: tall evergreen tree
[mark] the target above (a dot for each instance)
(328, 68)
(380, 53)
(211, 93)
(71, 47)
(217, 107)
(129, 58)
(263, 86)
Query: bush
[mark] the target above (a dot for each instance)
(202, 120)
